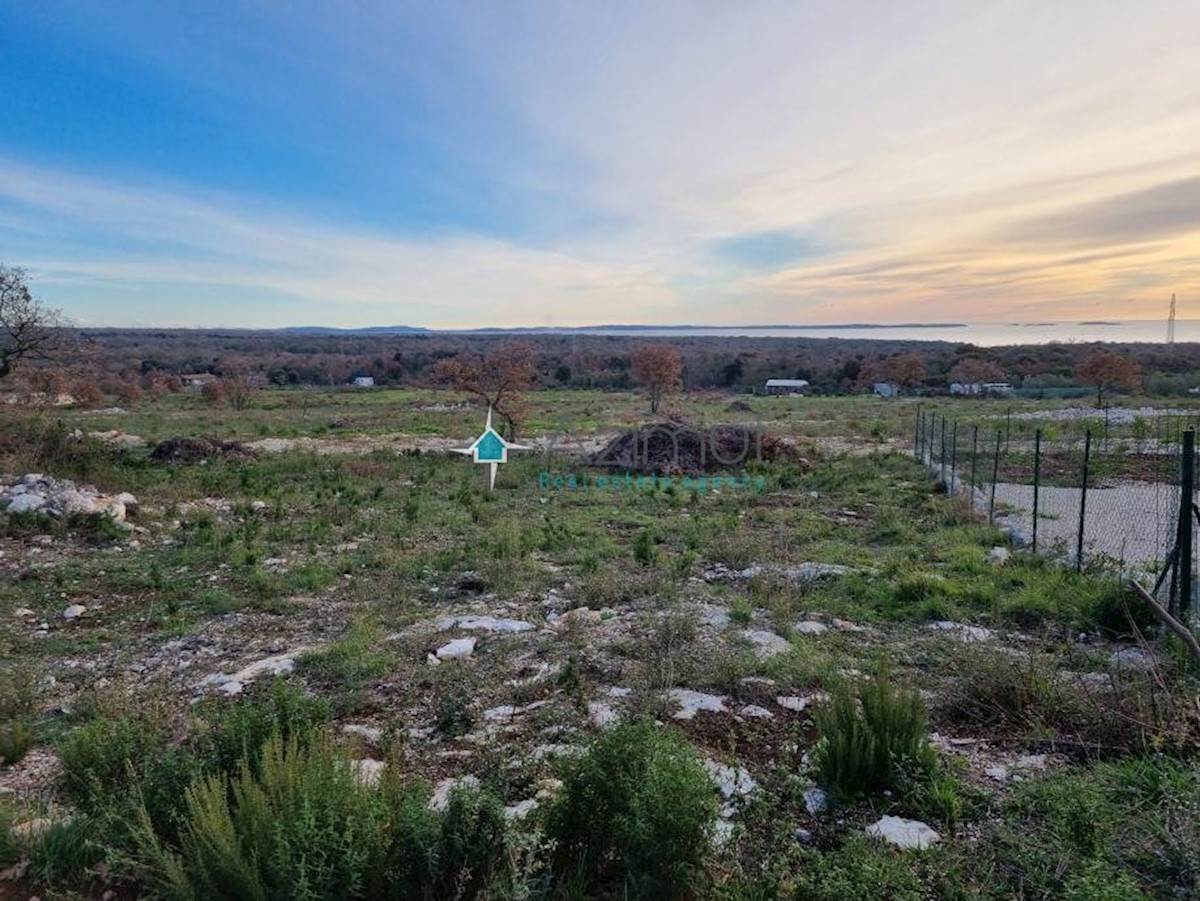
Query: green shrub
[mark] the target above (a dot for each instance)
(634, 817)
(18, 691)
(870, 733)
(105, 757)
(239, 729)
(304, 827)
(858, 871)
(15, 741)
(10, 844)
(645, 547)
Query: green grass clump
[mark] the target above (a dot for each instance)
(65, 851)
(634, 818)
(870, 734)
(304, 828)
(15, 741)
(1114, 831)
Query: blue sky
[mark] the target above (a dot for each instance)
(529, 163)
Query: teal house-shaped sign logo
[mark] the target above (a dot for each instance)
(491, 448)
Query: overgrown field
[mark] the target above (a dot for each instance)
(344, 669)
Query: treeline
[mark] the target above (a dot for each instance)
(832, 366)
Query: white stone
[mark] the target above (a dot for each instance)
(459, 648)
(230, 688)
(732, 781)
(371, 733)
(24, 612)
(26, 503)
(997, 771)
(1132, 659)
(74, 611)
(799, 704)
(521, 809)
(966, 634)
(756, 712)
(483, 624)
(810, 627)
(814, 572)
(602, 715)
(368, 772)
(691, 702)
(441, 793)
(816, 801)
(998, 556)
(766, 644)
(904, 834)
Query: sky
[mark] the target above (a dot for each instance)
(524, 163)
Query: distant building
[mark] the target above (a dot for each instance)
(363, 381)
(196, 380)
(992, 389)
(786, 386)
(885, 389)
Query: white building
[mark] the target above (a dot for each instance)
(363, 381)
(786, 386)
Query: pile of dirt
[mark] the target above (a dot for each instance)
(739, 406)
(670, 448)
(198, 450)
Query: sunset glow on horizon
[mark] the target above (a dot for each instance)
(496, 164)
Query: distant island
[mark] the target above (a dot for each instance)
(535, 329)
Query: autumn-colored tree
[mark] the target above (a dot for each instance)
(498, 379)
(658, 368)
(906, 370)
(213, 392)
(87, 393)
(975, 371)
(239, 387)
(128, 389)
(1107, 371)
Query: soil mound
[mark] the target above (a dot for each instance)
(197, 450)
(739, 406)
(669, 448)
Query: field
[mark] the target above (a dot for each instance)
(338, 666)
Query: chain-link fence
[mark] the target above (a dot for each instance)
(1103, 488)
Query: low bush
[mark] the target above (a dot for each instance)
(634, 818)
(870, 733)
(860, 870)
(15, 741)
(304, 827)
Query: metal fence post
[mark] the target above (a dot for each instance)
(974, 458)
(995, 476)
(1037, 481)
(943, 457)
(1186, 488)
(953, 456)
(1087, 453)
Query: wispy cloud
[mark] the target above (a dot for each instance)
(668, 162)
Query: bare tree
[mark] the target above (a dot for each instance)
(498, 379)
(658, 368)
(27, 327)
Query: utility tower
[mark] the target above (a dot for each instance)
(1171, 322)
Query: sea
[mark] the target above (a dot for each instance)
(984, 334)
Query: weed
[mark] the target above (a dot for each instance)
(741, 611)
(345, 667)
(869, 733)
(634, 816)
(65, 850)
(860, 870)
(645, 547)
(15, 741)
